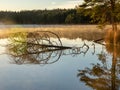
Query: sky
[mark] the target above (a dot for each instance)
(17, 5)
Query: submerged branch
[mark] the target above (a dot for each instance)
(99, 41)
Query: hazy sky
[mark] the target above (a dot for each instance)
(16, 5)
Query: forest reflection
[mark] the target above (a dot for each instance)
(101, 76)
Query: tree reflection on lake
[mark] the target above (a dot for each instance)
(101, 76)
(39, 48)
(47, 48)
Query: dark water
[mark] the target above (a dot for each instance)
(86, 66)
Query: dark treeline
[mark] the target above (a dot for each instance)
(56, 16)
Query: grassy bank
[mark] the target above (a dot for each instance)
(89, 32)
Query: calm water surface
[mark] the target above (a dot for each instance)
(92, 66)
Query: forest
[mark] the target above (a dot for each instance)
(78, 15)
(56, 16)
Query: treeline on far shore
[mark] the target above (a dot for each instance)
(56, 16)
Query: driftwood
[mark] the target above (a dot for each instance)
(99, 41)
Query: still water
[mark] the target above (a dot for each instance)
(84, 66)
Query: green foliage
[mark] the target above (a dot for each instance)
(16, 42)
(83, 15)
(103, 11)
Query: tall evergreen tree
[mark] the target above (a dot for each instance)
(104, 11)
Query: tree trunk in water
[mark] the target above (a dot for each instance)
(114, 23)
(114, 34)
(113, 69)
(114, 28)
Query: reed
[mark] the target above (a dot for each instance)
(87, 32)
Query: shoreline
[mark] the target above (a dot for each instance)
(88, 32)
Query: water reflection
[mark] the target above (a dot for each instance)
(100, 76)
(40, 48)
(46, 48)
(34, 48)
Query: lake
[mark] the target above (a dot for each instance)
(58, 60)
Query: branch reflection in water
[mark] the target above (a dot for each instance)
(102, 76)
(40, 47)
